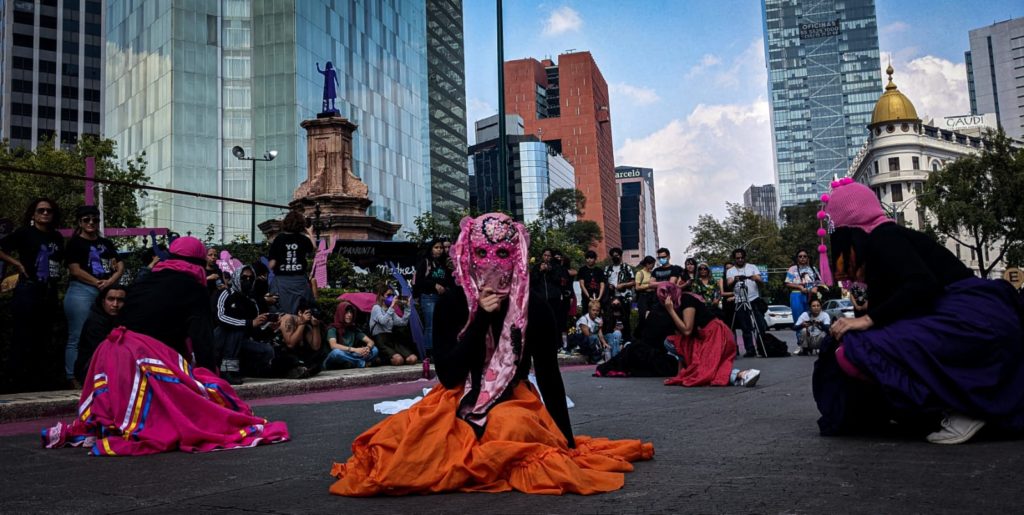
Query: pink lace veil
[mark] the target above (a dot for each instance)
(492, 251)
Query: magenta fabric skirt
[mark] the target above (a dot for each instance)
(142, 397)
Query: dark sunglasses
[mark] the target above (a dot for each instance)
(801, 255)
(43, 210)
(703, 268)
(90, 219)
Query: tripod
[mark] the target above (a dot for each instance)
(743, 302)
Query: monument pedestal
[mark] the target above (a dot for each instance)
(342, 197)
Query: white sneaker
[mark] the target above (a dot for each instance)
(749, 378)
(956, 429)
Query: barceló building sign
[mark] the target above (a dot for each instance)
(628, 174)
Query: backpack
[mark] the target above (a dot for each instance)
(774, 347)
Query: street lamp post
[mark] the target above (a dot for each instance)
(268, 156)
(752, 240)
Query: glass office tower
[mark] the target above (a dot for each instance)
(187, 80)
(823, 79)
(449, 175)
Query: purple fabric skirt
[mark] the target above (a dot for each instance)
(966, 356)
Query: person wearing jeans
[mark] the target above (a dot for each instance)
(350, 347)
(92, 267)
(433, 278)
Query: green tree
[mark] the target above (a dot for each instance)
(429, 227)
(120, 203)
(714, 240)
(561, 205)
(800, 229)
(978, 201)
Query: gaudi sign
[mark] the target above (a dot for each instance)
(970, 121)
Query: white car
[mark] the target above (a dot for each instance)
(838, 308)
(778, 316)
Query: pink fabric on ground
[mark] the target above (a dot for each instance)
(849, 368)
(141, 397)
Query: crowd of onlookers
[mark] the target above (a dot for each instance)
(267, 324)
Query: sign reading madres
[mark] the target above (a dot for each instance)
(819, 29)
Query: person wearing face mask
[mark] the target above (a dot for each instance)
(92, 266)
(243, 330)
(389, 313)
(484, 427)
(664, 271)
(620, 278)
(103, 318)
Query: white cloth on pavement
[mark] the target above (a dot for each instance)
(392, 407)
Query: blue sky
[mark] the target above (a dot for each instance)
(687, 81)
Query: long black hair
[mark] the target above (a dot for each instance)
(26, 219)
(850, 244)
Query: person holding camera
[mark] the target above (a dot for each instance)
(384, 318)
(812, 326)
(242, 329)
(743, 279)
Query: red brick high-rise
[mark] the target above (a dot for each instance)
(566, 105)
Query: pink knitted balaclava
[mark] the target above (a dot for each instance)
(188, 255)
(851, 204)
(492, 252)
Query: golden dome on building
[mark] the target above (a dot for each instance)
(893, 106)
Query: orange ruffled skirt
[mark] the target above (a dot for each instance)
(427, 449)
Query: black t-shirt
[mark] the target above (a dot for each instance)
(27, 243)
(593, 278)
(291, 253)
(663, 273)
(95, 257)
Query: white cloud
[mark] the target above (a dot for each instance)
(636, 95)
(707, 61)
(747, 69)
(701, 162)
(562, 20)
(936, 86)
(893, 28)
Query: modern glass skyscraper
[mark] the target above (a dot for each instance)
(449, 176)
(187, 80)
(994, 74)
(51, 55)
(823, 80)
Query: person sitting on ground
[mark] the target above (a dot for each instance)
(299, 343)
(938, 349)
(395, 347)
(812, 326)
(615, 326)
(148, 390)
(590, 337)
(802, 280)
(103, 318)
(216, 283)
(704, 343)
(241, 335)
(349, 346)
(648, 356)
(484, 427)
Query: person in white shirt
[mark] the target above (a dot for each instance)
(743, 279)
(589, 325)
(811, 326)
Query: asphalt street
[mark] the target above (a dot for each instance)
(718, 450)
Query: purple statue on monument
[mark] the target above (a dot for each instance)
(330, 91)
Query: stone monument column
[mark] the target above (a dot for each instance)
(343, 198)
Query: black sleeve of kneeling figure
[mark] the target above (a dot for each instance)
(200, 329)
(904, 268)
(542, 342)
(453, 358)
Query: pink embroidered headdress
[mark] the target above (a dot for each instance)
(492, 252)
